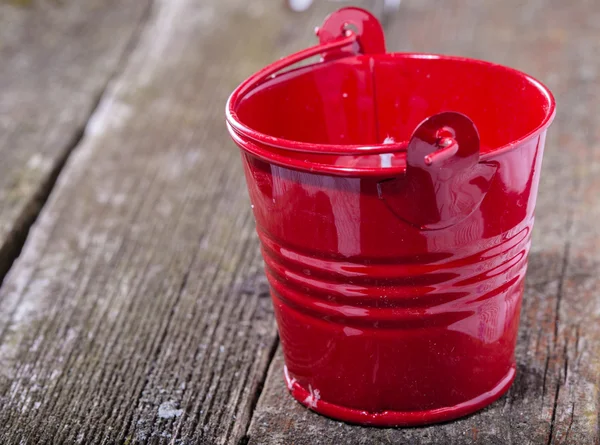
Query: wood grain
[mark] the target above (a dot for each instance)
(56, 58)
(555, 398)
(137, 311)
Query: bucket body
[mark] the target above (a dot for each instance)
(381, 322)
(396, 277)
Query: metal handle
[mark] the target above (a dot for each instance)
(345, 32)
(444, 182)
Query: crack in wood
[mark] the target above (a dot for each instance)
(261, 384)
(566, 364)
(561, 280)
(546, 366)
(554, 410)
(11, 247)
(570, 422)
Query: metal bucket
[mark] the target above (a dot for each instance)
(394, 198)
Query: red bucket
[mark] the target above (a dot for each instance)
(394, 197)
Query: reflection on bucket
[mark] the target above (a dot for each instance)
(394, 197)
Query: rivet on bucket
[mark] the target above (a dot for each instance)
(394, 199)
(444, 181)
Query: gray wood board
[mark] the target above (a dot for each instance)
(56, 58)
(555, 397)
(137, 311)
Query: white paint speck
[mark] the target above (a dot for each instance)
(37, 343)
(39, 162)
(386, 160)
(313, 397)
(111, 114)
(289, 381)
(389, 140)
(71, 335)
(167, 410)
(344, 95)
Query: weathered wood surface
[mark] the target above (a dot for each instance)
(56, 58)
(137, 311)
(555, 398)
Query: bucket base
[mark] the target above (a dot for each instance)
(398, 418)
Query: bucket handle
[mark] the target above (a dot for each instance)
(345, 32)
(445, 181)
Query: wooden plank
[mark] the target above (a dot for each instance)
(56, 59)
(555, 398)
(137, 311)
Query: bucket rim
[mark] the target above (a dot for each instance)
(235, 125)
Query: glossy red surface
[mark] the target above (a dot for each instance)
(395, 234)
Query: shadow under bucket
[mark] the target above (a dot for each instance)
(394, 197)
